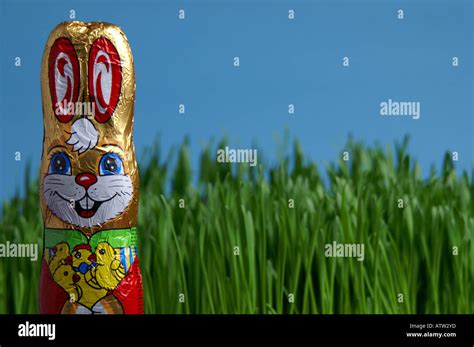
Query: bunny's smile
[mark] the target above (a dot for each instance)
(86, 207)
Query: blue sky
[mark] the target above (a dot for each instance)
(282, 62)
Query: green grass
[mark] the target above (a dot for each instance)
(191, 250)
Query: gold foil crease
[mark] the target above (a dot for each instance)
(118, 131)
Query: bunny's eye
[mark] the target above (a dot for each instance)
(110, 164)
(102, 251)
(60, 164)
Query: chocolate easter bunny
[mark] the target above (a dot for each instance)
(89, 177)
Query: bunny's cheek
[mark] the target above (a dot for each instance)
(63, 185)
(109, 186)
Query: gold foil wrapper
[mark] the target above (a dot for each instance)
(64, 80)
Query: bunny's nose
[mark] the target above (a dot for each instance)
(86, 179)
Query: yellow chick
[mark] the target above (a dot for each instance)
(68, 280)
(90, 295)
(81, 258)
(107, 271)
(60, 252)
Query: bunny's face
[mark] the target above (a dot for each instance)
(89, 177)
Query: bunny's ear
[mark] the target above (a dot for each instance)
(105, 78)
(64, 79)
(105, 81)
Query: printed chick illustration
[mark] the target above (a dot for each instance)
(65, 276)
(60, 252)
(81, 258)
(108, 271)
(90, 295)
